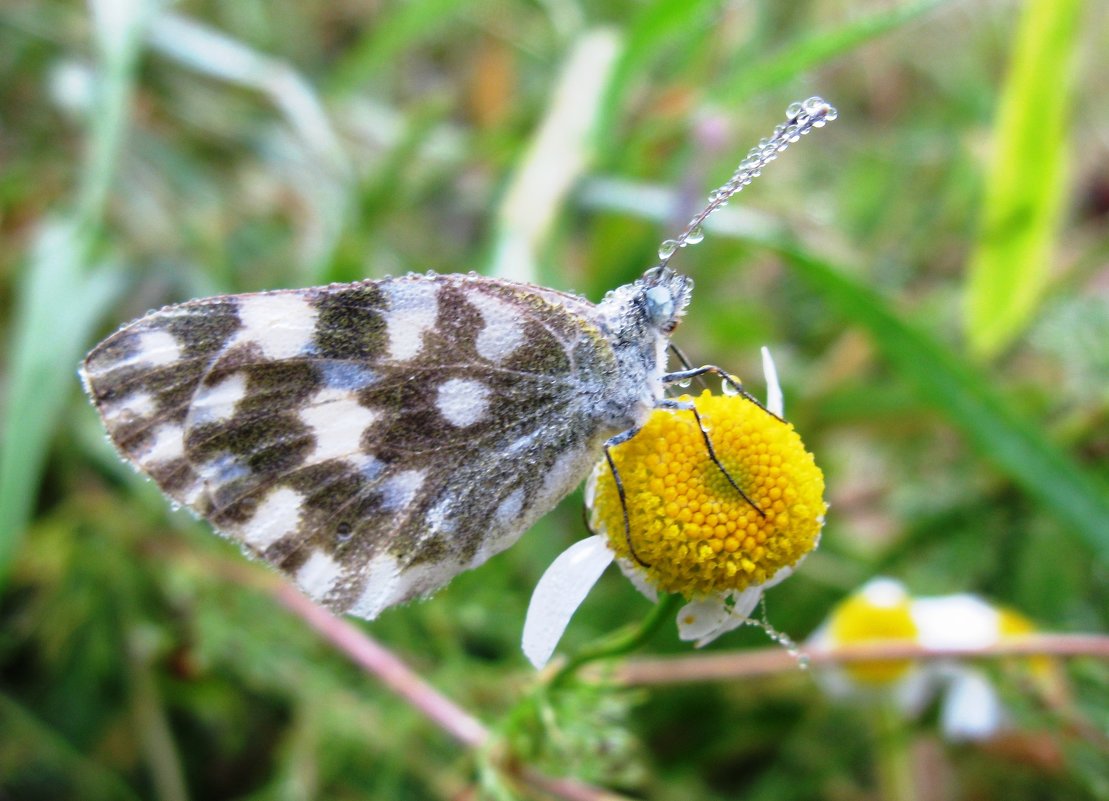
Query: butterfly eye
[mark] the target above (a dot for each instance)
(660, 307)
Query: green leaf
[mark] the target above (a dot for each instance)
(966, 397)
(1026, 183)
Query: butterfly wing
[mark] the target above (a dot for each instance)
(370, 439)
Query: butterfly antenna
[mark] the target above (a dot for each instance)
(801, 118)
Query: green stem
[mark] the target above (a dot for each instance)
(620, 643)
(894, 762)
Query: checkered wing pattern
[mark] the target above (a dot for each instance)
(369, 439)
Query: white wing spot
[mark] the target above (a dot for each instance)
(136, 406)
(192, 494)
(157, 348)
(462, 401)
(413, 307)
(398, 491)
(368, 465)
(509, 509)
(168, 443)
(382, 575)
(502, 333)
(222, 469)
(319, 575)
(388, 583)
(282, 324)
(337, 421)
(217, 403)
(277, 516)
(154, 348)
(439, 518)
(565, 474)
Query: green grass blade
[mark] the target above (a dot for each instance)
(59, 297)
(560, 152)
(784, 65)
(59, 305)
(1026, 183)
(660, 28)
(1015, 445)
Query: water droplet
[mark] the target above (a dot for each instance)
(729, 388)
(793, 109)
(667, 249)
(685, 383)
(695, 236)
(343, 532)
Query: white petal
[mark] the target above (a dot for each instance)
(699, 619)
(915, 690)
(955, 621)
(780, 576)
(884, 593)
(706, 620)
(971, 710)
(633, 573)
(559, 593)
(775, 401)
(745, 603)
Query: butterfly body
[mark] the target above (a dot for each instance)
(374, 439)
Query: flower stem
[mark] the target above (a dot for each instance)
(622, 642)
(894, 762)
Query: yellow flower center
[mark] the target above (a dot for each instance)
(859, 620)
(695, 532)
(1013, 625)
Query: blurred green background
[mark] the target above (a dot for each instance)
(931, 272)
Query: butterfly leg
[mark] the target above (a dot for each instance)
(687, 406)
(613, 442)
(728, 379)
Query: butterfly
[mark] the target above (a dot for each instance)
(373, 439)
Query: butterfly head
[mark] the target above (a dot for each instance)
(665, 295)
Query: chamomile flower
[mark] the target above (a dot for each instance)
(882, 610)
(691, 532)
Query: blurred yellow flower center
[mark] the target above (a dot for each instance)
(696, 533)
(1013, 625)
(859, 620)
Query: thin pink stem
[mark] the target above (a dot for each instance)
(365, 652)
(767, 661)
(381, 663)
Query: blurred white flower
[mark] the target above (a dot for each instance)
(882, 610)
